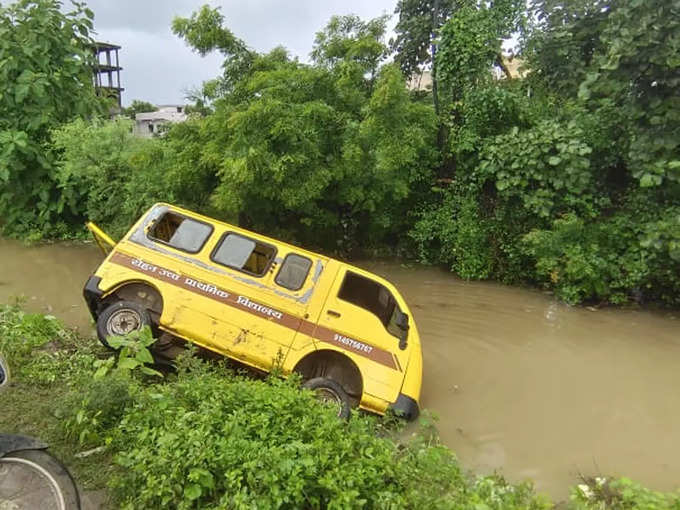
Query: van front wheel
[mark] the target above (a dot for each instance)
(330, 393)
(121, 318)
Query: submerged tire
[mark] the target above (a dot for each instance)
(330, 392)
(42, 480)
(121, 318)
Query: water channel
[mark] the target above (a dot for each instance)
(522, 384)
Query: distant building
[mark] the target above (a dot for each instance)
(107, 71)
(515, 67)
(149, 124)
(422, 81)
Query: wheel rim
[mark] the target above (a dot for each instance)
(123, 322)
(25, 484)
(329, 397)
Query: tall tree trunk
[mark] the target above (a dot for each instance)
(433, 52)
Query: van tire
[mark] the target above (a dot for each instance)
(121, 318)
(329, 391)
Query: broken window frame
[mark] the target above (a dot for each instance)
(221, 242)
(154, 225)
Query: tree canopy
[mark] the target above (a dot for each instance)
(46, 70)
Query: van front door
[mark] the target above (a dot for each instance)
(359, 317)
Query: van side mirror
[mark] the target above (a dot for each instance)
(402, 324)
(402, 321)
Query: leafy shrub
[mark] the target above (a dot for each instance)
(90, 416)
(214, 440)
(21, 333)
(622, 494)
(601, 261)
(456, 234)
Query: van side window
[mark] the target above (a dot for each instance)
(244, 254)
(293, 272)
(371, 296)
(180, 232)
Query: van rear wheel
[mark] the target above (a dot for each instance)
(330, 393)
(121, 318)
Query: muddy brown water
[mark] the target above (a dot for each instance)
(522, 384)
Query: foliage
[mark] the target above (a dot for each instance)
(21, 333)
(204, 31)
(563, 41)
(622, 494)
(227, 442)
(90, 417)
(133, 355)
(304, 151)
(138, 106)
(546, 168)
(455, 233)
(567, 178)
(470, 42)
(639, 72)
(416, 30)
(47, 75)
(596, 261)
(109, 176)
(550, 172)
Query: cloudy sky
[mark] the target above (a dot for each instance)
(158, 67)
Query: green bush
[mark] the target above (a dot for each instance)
(456, 234)
(214, 440)
(589, 261)
(622, 494)
(22, 333)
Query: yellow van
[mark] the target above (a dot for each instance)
(262, 302)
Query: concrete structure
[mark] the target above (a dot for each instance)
(107, 71)
(149, 124)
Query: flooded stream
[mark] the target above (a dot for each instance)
(521, 383)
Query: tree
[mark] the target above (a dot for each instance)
(563, 39)
(470, 42)
(204, 31)
(417, 31)
(637, 71)
(46, 70)
(138, 106)
(348, 39)
(328, 153)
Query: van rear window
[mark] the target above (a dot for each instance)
(180, 232)
(244, 254)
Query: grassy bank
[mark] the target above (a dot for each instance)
(207, 437)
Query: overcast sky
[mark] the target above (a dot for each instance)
(158, 67)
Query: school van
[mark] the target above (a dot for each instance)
(262, 302)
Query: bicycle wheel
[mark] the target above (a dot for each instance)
(33, 479)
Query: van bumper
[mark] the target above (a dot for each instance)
(405, 407)
(92, 295)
